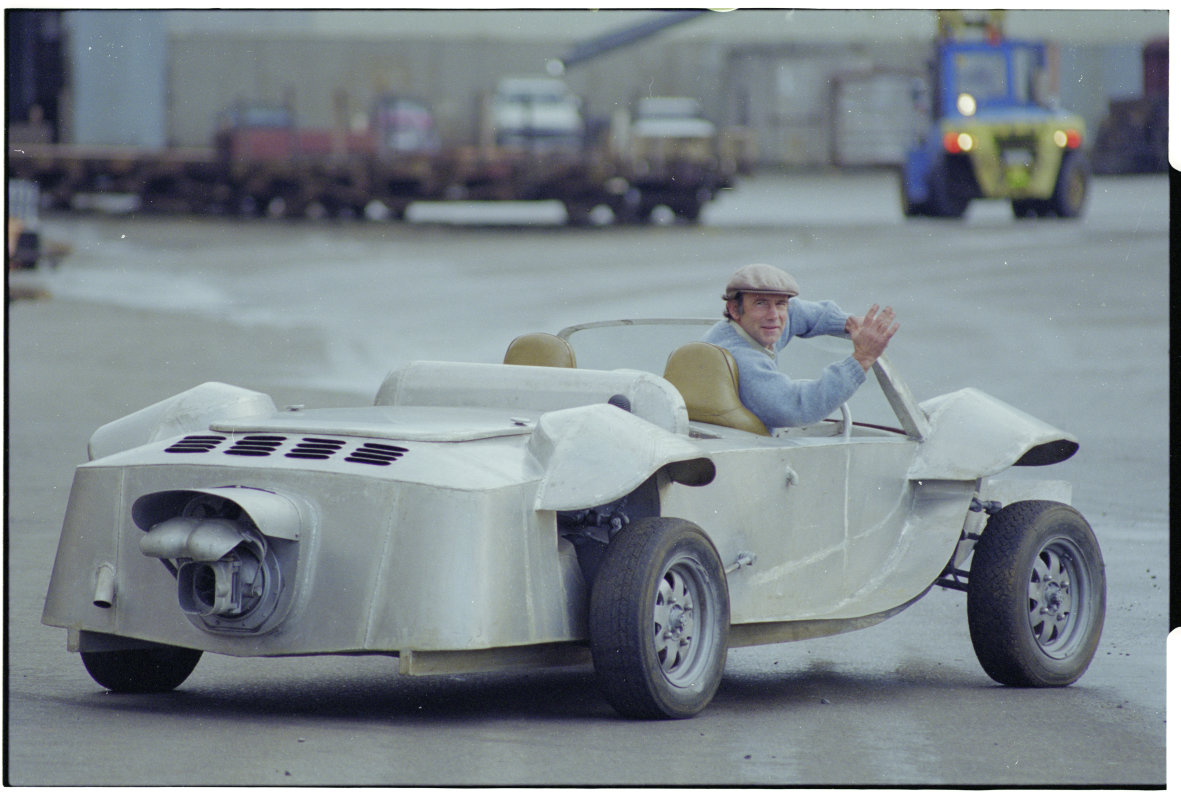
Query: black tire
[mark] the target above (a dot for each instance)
(578, 214)
(1028, 209)
(911, 209)
(159, 669)
(660, 620)
(1070, 191)
(1037, 595)
(944, 198)
(688, 207)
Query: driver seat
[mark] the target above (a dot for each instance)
(707, 378)
(540, 350)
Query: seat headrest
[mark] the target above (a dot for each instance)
(707, 378)
(540, 350)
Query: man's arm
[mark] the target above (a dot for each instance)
(808, 318)
(783, 402)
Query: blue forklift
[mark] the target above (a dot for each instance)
(992, 133)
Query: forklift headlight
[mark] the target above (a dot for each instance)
(954, 142)
(1068, 139)
(966, 104)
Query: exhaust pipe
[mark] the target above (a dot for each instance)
(104, 586)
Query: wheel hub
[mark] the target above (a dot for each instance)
(1056, 600)
(680, 622)
(1051, 602)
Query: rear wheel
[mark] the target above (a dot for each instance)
(159, 669)
(1037, 595)
(659, 620)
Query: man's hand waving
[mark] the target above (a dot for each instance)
(871, 334)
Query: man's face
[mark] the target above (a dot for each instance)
(763, 316)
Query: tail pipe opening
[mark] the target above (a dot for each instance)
(104, 586)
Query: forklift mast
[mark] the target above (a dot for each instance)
(960, 25)
(978, 66)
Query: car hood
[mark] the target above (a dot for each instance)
(973, 434)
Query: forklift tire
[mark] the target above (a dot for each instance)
(909, 207)
(1031, 209)
(943, 200)
(1070, 192)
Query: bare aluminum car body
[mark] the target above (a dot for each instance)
(440, 524)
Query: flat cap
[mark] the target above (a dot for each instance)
(761, 279)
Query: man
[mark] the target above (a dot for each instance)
(760, 322)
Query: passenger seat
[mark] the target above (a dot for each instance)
(540, 350)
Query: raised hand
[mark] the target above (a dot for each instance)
(871, 334)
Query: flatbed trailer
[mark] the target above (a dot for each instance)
(203, 181)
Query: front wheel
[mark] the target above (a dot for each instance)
(1026, 209)
(659, 620)
(159, 669)
(1037, 595)
(946, 195)
(1070, 191)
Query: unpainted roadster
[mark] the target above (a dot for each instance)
(532, 513)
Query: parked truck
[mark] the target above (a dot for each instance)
(993, 133)
(665, 145)
(540, 114)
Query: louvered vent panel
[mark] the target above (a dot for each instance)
(381, 455)
(255, 445)
(311, 448)
(196, 444)
(315, 449)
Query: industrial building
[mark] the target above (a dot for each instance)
(814, 88)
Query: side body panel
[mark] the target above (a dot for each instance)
(836, 529)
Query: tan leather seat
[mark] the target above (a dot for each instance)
(540, 350)
(707, 378)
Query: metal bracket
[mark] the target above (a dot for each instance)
(987, 506)
(743, 559)
(954, 579)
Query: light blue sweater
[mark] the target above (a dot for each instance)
(777, 399)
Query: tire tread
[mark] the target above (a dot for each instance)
(999, 579)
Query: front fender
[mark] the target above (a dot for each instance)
(973, 434)
(593, 454)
